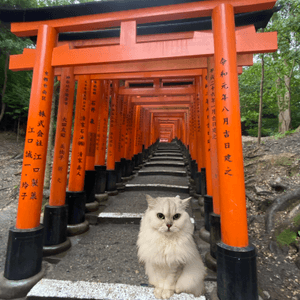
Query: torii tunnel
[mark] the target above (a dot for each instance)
(145, 72)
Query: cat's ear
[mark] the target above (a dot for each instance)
(185, 202)
(151, 201)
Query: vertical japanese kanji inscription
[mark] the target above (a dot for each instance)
(35, 149)
(112, 127)
(229, 140)
(212, 132)
(206, 132)
(62, 138)
(78, 158)
(92, 124)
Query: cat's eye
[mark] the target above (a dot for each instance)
(176, 217)
(160, 216)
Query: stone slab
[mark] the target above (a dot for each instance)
(158, 187)
(160, 179)
(162, 172)
(165, 163)
(167, 158)
(63, 289)
(177, 154)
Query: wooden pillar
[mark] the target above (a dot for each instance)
(206, 133)
(76, 197)
(137, 119)
(234, 252)
(118, 136)
(55, 214)
(100, 167)
(102, 123)
(229, 138)
(25, 241)
(215, 192)
(111, 179)
(128, 139)
(90, 173)
(123, 136)
(200, 176)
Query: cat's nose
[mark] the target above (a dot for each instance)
(169, 225)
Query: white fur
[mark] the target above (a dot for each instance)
(171, 258)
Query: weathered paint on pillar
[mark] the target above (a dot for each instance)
(112, 128)
(62, 138)
(119, 119)
(36, 141)
(147, 130)
(102, 123)
(80, 135)
(199, 124)
(137, 115)
(124, 126)
(128, 129)
(92, 126)
(213, 134)
(229, 139)
(192, 129)
(141, 129)
(152, 141)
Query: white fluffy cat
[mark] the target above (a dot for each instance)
(167, 248)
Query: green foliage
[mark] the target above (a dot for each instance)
(249, 83)
(297, 220)
(284, 62)
(17, 93)
(286, 237)
(280, 135)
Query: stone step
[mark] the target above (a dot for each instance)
(162, 172)
(65, 289)
(165, 163)
(157, 187)
(179, 154)
(159, 150)
(160, 179)
(167, 158)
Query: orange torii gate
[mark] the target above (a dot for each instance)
(223, 43)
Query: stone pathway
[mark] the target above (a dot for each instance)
(102, 263)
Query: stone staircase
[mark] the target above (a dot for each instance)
(102, 263)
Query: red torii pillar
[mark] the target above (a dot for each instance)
(200, 175)
(118, 142)
(212, 199)
(100, 166)
(76, 196)
(28, 233)
(111, 178)
(129, 140)
(234, 252)
(90, 173)
(55, 214)
(123, 136)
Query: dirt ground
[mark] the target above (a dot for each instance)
(271, 174)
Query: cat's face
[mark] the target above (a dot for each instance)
(167, 214)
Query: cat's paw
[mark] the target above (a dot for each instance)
(158, 292)
(166, 294)
(196, 290)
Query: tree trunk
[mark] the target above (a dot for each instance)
(284, 105)
(4, 87)
(51, 139)
(261, 98)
